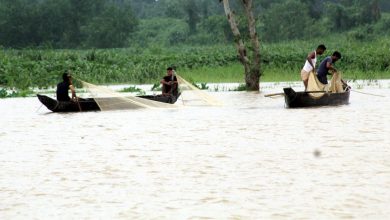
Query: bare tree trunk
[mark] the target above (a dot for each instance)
(253, 78)
(252, 69)
(237, 37)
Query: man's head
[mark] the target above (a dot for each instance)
(66, 76)
(169, 71)
(320, 49)
(336, 56)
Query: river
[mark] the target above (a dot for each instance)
(249, 159)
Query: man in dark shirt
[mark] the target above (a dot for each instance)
(64, 86)
(169, 83)
(326, 66)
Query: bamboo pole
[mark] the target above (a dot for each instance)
(366, 93)
(273, 94)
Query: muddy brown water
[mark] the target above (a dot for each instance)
(250, 159)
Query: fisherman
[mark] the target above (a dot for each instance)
(310, 64)
(169, 83)
(64, 86)
(326, 66)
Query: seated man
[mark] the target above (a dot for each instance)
(64, 86)
(169, 83)
(326, 66)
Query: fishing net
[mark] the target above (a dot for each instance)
(108, 99)
(334, 86)
(192, 95)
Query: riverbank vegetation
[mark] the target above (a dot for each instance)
(281, 62)
(120, 42)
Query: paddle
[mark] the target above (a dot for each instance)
(73, 90)
(78, 104)
(39, 108)
(365, 93)
(273, 94)
(172, 80)
(173, 86)
(276, 94)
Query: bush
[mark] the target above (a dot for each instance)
(161, 31)
(383, 25)
(361, 33)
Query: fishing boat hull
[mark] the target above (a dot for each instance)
(89, 104)
(305, 99)
(160, 98)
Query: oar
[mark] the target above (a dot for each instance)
(366, 93)
(273, 94)
(78, 103)
(276, 94)
(77, 99)
(39, 108)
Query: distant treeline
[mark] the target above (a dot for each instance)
(66, 23)
(145, 23)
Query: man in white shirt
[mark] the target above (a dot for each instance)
(310, 63)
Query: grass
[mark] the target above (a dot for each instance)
(21, 70)
(234, 74)
(221, 74)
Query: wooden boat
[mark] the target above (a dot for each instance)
(89, 104)
(295, 99)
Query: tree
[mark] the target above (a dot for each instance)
(287, 21)
(111, 28)
(251, 64)
(191, 9)
(17, 19)
(352, 13)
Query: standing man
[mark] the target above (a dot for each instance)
(326, 66)
(310, 64)
(169, 83)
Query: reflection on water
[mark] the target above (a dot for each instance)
(250, 159)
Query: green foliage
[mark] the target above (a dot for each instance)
(240, 87)
(284, 21)
(201, 86)
(383, 25)
(204, 86)
(156, 87)
(191, 8)
(111, 29)
(65, 24)
(217, 28)
(351, 13)
(135, 23)
(161, 31)
(24, 69)
(361, 33)
(43, 68)
(4, 93)
(133, 89)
